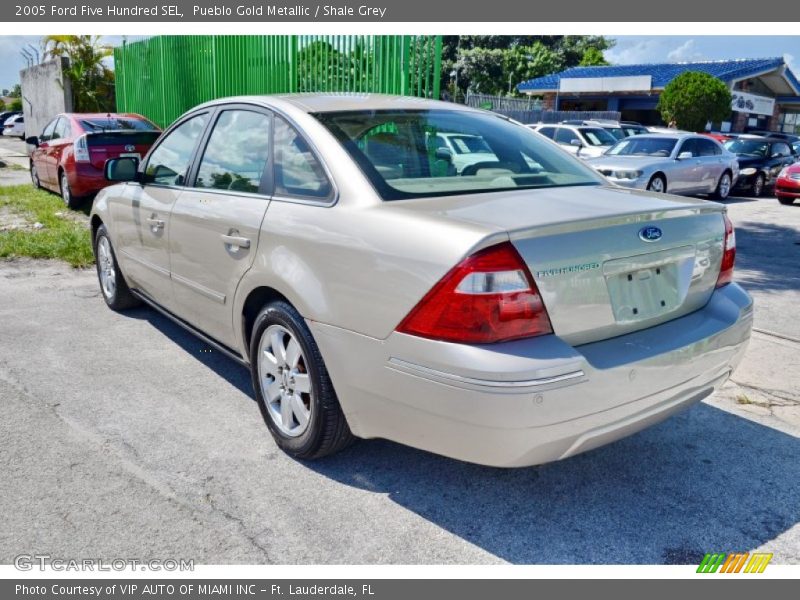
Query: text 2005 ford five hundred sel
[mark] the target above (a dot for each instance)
(515, 311)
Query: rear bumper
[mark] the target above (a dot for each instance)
(533, 401)
(85, 179)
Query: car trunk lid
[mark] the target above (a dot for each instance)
(607, 261)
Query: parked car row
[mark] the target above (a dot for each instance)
(69, 156)
(663, 159)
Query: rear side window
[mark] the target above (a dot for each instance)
(237, 152)
(170, 161)
(706, 148)
(297, 171)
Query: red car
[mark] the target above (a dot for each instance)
(71, 152)
(787, 186)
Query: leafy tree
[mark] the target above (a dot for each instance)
(91, 80)
(16, 104)
(693, 99)
(16, 91)
(593, 57)
(2, 105)
(508, 60)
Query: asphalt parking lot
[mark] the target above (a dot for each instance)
(124, 436)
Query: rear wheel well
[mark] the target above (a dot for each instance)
(96, 222)
(256, 300)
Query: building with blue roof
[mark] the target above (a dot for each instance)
(766, 93)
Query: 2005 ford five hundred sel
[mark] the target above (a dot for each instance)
(513, 311)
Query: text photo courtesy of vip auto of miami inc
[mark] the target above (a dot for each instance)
(400, 299)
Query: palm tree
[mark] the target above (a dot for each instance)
(91, 80)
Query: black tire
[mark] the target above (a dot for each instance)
(654, 182)
(70, 200)
(326, 431)
(786, 201)
(120, 298)
(35, 177)
(722, 192)
(758, 186)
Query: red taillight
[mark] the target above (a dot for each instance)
(81, 149)
(728, 254)
(488, 297)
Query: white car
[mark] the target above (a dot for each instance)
(15, 126)
(584, 141)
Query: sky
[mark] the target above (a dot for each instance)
(628, 50)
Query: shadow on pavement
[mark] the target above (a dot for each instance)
(702, 481)
(232, 372)
(768, 256)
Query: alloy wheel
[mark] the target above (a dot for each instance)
(105, 263)
(285, 381)
(724, 186)
(65, 193)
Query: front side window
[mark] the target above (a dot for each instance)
(237, 152)
(547, 131)
(47, 134)
(169, 162)
(391, 147)
(565, 136)
(62, 129)
(297, 170)
(781, 150)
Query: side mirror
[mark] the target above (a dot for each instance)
(444, 154)
(685, 155)
(122, 169)
(576, 142)
(33, 141)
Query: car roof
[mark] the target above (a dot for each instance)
(344, 101)
(668, 136)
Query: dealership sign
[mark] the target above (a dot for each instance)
(750, 103)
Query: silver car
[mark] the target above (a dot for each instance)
(678, 163)
(518, 314)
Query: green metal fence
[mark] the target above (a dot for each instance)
(163, 76)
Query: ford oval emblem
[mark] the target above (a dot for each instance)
(650, 234)
(130, 148)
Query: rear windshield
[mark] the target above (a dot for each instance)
(403, 153)
(597, 136)
(643, 146)
(116, 123)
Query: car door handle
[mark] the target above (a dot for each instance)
(235, 240)
(155, 224)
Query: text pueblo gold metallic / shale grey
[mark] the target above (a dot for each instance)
(299, 10)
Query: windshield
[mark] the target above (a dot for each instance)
(401, 153)
(116, 123)
(596, 136)
(643, 146)
(617, 132)
(755, 148)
